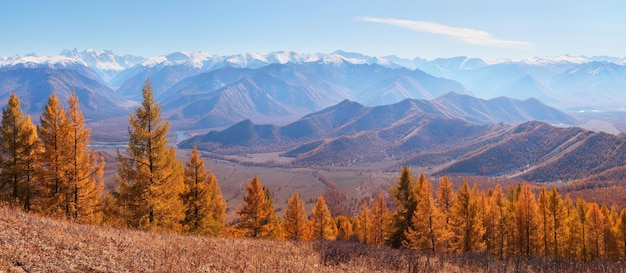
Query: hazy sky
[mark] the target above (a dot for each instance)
(427, 29)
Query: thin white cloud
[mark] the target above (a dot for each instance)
(468, 35)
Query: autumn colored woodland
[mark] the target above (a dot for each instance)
(50, 170)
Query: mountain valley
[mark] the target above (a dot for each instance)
(450, 115)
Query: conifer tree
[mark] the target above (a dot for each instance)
(498, 217)
(465, 221)
(445, 201)
(621, 231)
(594, 230)
(581, 211)
(363, 225)
(483, 210)
(609, 232)
(489, 221)
(558, 218)
(573, 228)
(322, 224)
(512, 198)
(403, 193)
(275, 227)
(19, 149)
(379, 221)
(526, 222)
(422, 234)
(257, 215)
(54, 135)
(294, 223)
(31, 186)
(149, 177)
(344, 227)
(205, 210)
(545, 223)
(86, 168)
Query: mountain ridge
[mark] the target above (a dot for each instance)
(349, 117)
(417, 133)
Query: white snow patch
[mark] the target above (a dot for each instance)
(595, 72)
(556, 60)
(154, 61)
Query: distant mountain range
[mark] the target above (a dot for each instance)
(453, 115)
(282, 93)
(202, 90)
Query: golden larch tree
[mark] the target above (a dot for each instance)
(322, 224)
(55, 160)
(544, 221)
(621, 231)
(149, 177)
(205, 210)
(31, 186)
(483, 210)
(379, 221)
(294, 222)
(86, 168)
(526, 221)
(445, 201)
(573, 244)
(609, 232)
(19, 149)
(490, 220)
(580, 231)
(466, 223)
(512, 236)
(594, 229)
(497, 215)
(257, 215)
(276, 228)
(422, 234)
(363, 224)
(557, 212)
(345, 229)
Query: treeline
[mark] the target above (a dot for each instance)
(505, 223)
(50, 170)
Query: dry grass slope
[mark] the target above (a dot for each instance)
(30, 243)
(33, 244)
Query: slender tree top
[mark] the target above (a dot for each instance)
(150, 109)
(147, 130)
(12, 121)
(13, 108)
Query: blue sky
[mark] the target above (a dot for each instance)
(486, 29)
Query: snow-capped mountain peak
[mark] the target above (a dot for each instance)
(102, 59)
(31, 60)
(206, 61)
(563, 59)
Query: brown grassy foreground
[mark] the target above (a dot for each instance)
(30, 243)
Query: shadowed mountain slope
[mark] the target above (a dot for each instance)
(35, 85)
